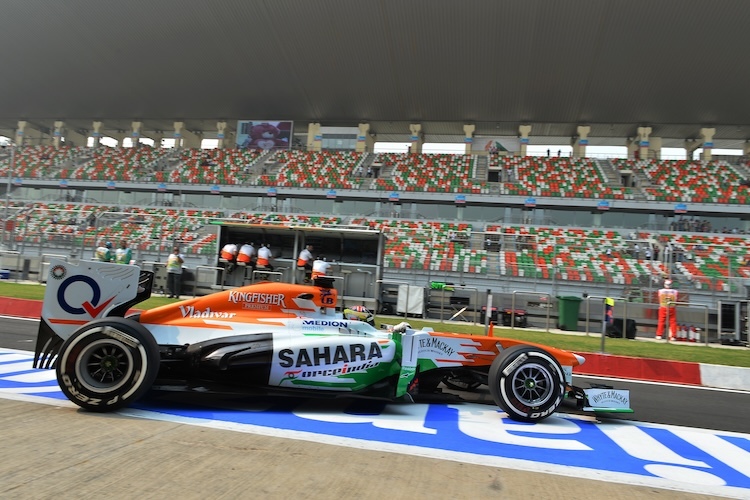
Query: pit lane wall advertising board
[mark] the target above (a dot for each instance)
(662, 456)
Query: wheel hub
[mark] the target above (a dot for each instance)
(109, 363)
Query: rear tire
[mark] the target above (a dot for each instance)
(527, 382)
(108, 364)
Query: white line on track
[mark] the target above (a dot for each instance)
(670, 384)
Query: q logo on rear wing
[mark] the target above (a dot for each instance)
(79, 293)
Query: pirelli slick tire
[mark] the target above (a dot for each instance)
(527, 382)
(108, 364)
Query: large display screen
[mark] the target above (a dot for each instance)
(255, 134)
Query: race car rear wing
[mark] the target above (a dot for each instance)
(79, 293)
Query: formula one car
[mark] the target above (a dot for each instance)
(276, 338)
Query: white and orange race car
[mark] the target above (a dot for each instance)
(277, 338)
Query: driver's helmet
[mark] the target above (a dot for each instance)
(358, 313)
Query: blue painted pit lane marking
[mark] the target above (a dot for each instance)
(715, 463)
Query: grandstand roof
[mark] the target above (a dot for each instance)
(676, 65)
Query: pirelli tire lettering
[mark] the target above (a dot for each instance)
(527, 382)
(107, 364)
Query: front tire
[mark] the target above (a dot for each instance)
(527, 382)
(108, 364)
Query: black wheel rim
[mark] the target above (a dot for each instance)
(532, 384)
(104, 365)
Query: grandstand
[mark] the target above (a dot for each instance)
(480, 251)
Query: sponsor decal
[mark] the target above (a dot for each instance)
(328, 355)
(325, 322)
(520, 359)
(192, 312)
(92, 307)
(436, 344)
(58, 272)
(329, 372)
(608, 398)
(327, 298)
(267, 299)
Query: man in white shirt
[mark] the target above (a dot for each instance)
(247, 255)
(305, 261)
(320, 268)
(265, 257)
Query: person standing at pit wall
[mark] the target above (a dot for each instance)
(103, 252)
(174, 272)
(123, 255)
(667, 307)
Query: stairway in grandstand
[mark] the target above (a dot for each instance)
(481, 167)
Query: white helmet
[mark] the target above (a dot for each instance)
(667, 283)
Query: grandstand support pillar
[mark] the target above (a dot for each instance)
(632, 145)
(459, 213)
(416, 138)
(58, 133)
(524, 131)
(185, 138)
(469, 138)
(690, 146)
(581, 141)
(643, 143)
(178, 126)
(364, 141)
(119, 136)
(707, 134)
(20, 132)
(314, 137)
(221, 131)
(97, 133)
(136, 134)
(158, 137)
(654, 148)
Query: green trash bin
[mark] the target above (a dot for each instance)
(569, 307)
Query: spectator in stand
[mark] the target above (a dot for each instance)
(103, 252)
(667, 307)
(265, 257)
(174, 273)
(320, 268)
(305, 261)
(123, 255)
(247, 255)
